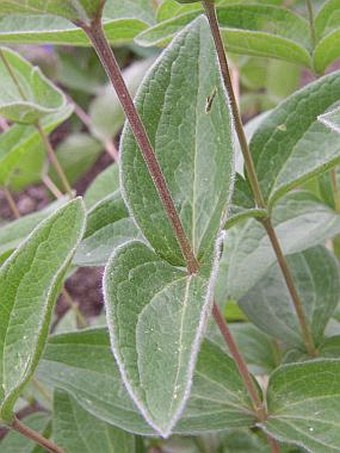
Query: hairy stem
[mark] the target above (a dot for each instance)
(11, 203)
(51, 186)
(253, 180)
(82, 323)
(54, 160)
(30, 434)
(109, 62)
(311, 21)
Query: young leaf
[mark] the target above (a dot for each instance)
(108, 226)
(76, 430)
(183, 104)
(300, 221)
(30, 281)
(156, 314)
(81, 364)
(303, 401)
(26, 95)
(268, 304)
(15, 442)
(22, 154)
(291, 145)
(327, 28)
(259, 30)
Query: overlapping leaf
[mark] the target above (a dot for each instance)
(259, 30)
(29, 284)
(156, 314)
(331, 119)
(108, 226)
(303, 401)
(300, 221)
(317, 280)
(192, 147)
(291, 145)
(26, 95)
(81, 364)
(102, 186)
(76, 430)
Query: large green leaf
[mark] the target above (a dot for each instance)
(291, 145)
(76, 430)
(259, 30)
(26, 95)
(303, 403)
(327, 27)
(156, 314)
(122, 22)
(108, 226)
(317, 279)
(11, 234)
(300, 221)
(22, 155)
(30, 281)
(81, 363)
(173, 103)
(15, 442)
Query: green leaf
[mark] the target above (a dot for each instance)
(108, 226)
(15, 442)
(76, 430)
(106, 183)
(331, 119)
(30, 281)
(22, 155)
(303, 401)
(327, 27)
(81, 363)
(174, 103)
(156, 314)
(122, 22)
(300, 221)
(76, 154)
(15, 232)
(259, 30)
(291, 145)
(26, 95)
(317, 279)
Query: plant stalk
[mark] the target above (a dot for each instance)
(311, 21)
(109, 62)
(11, 203)
(30, 434)
(253, 180)
(82, 323)
(54, 160)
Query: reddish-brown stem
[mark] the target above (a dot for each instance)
(11, 203)
(109, 62)
(239, 361)
(29, 433)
